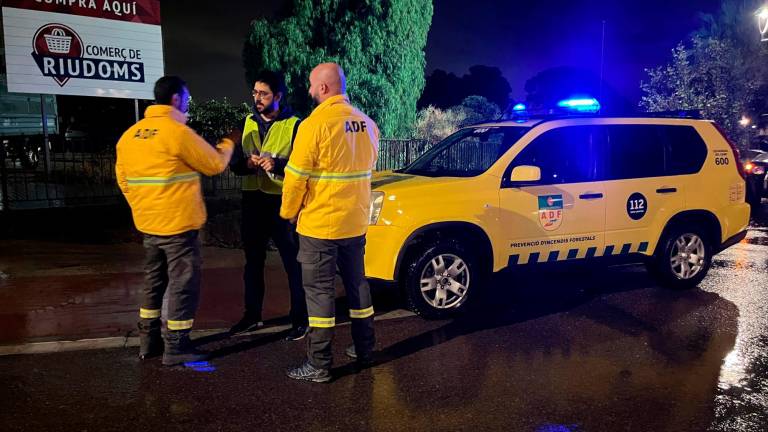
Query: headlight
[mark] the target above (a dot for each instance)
(377, 200)
(758, 170)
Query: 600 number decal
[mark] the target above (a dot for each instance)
(721, 157)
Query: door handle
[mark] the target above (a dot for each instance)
(591, 196)
(666, 190)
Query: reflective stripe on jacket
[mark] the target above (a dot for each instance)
(277, 142)
(328, 176)
(158, 164)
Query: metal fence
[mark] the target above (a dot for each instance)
(72, 173)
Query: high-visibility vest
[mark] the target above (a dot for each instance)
(277, 143)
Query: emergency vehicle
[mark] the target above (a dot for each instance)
(665, 190)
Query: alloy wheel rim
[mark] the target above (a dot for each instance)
(445, 281)
(688, 256)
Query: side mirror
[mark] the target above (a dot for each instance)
(525, 174)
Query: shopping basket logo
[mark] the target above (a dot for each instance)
(60, 54)
(59, 42)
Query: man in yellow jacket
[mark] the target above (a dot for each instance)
(327, 187)
(159, 161)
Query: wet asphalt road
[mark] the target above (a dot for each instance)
(604, 350)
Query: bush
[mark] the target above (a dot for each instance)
(434, 124)
(214, 119)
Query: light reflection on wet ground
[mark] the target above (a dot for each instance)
(742, 400)
(571, 352)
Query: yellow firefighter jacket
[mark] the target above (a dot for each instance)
(328, 177)
(158, 164)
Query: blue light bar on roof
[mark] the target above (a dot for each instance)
(584, 105)
(519, 107)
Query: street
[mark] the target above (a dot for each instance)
(604, 350)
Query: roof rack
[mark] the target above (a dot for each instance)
(680, 114)
(692, 114)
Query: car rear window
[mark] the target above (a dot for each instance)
(640, 151)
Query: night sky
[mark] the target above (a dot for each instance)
(203, 39)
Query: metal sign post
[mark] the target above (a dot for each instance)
(762, 23)
(46, 150)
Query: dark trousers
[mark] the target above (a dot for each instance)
(319, 259)
(261, 221)
(172, 263)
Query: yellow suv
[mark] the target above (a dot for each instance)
(665, 191)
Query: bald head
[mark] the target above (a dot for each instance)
(326, 80)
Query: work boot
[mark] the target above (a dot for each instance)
(150, 339)
(179, 349)
(247, 323)
(308, 372)
(296, 333)
(361, 361)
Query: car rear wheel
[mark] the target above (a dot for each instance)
(30, 158)
(683, 258)
(440, 277)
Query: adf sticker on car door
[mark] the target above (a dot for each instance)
(550, 211)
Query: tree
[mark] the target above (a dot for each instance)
(722, 70)
(548, 87)
(488, 82)
(711, 76)
(479, 109)
(736, 22)
(444, 90)
(379, 43)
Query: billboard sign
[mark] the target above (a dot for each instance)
(83, 47)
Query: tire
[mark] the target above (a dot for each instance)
(682, 258)
(30, 158)
(442, 296)
(753, 196)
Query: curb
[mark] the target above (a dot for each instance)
(133, 341)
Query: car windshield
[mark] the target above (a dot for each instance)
(762, 157)
(467, 153)
(751, 154)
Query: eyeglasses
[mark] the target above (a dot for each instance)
(260, 94)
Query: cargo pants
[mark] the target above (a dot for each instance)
(173, 264)
(319, 259)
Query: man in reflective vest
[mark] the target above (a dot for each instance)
(328, 188)
(266, 145)
(158, 164)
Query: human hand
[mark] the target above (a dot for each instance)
(253, 161)
(267, 163)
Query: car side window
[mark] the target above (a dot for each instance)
(564, 155)
(686, 150)
(642, 151)
(634, 151)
